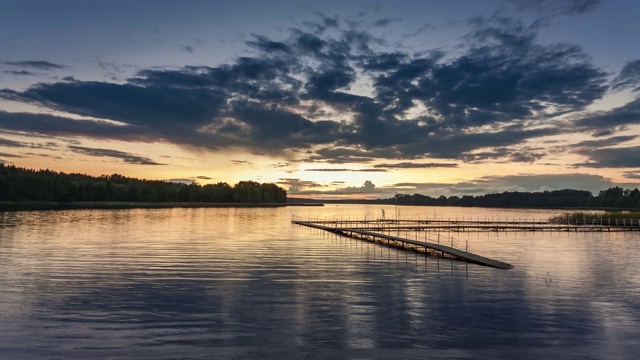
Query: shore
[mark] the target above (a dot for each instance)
(46, 205)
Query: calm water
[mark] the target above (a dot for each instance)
(247, 284)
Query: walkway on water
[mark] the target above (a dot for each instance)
(484, 225)
(419, 246)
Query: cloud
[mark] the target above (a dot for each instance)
(608, 152)
(411, 165)
(506, 154)
(556, 7)
(383, 22)
(368, 189)
(345, 170)
(295, 185)
(182, 181)
(135, 105)
(624, 157)
(629, 77)
(50, 125)
(340, 156)
(124, 156)
(31, 145)
(42, 65)
(9, 156)
(11, 143)
(632, 175)
(202, 177)
(500, 88)
(589, 145)
(281, 165)
(627, 114)
(21, 72)
(187, 48)
(266, 45)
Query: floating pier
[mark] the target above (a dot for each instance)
(428, 248)
(379, 231)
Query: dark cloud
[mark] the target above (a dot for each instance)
(42, 65)
(329, 170)
(411, 165)
(295, 185)
(20, 72)
(49, 125)
(135, 105)
(384, 22)
(40, 155)
(11, 143)
(266, 45)
(625, 157)
(330, 21)
(506, 75)
(629, 77)
(481, 96)
(31, 145)
(345, 170)
(460, 145)
(187, 48)
(627, 114)
(588, 145)
(602, 132)
(9, 155)
(556, 7)
(203, 177)
(340, 156)
(126, 157)
(632, 175)
(273, 127)
(182, 181)
(281, 165)
(606, 153)
(505, 154)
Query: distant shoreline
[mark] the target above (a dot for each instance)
(114, 205)
(98, 205)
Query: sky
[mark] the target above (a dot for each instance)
(328, 99)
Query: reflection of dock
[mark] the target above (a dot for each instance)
(427, 248)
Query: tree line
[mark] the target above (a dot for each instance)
(21, 184)
(615, 197)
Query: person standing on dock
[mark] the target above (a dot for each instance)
(382, 214)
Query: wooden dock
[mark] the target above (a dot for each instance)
(428, 248)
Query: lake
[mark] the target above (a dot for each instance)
(245, 283)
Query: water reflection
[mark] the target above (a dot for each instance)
(246, 283)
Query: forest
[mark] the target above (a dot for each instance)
(20, 184)
(615, 197)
